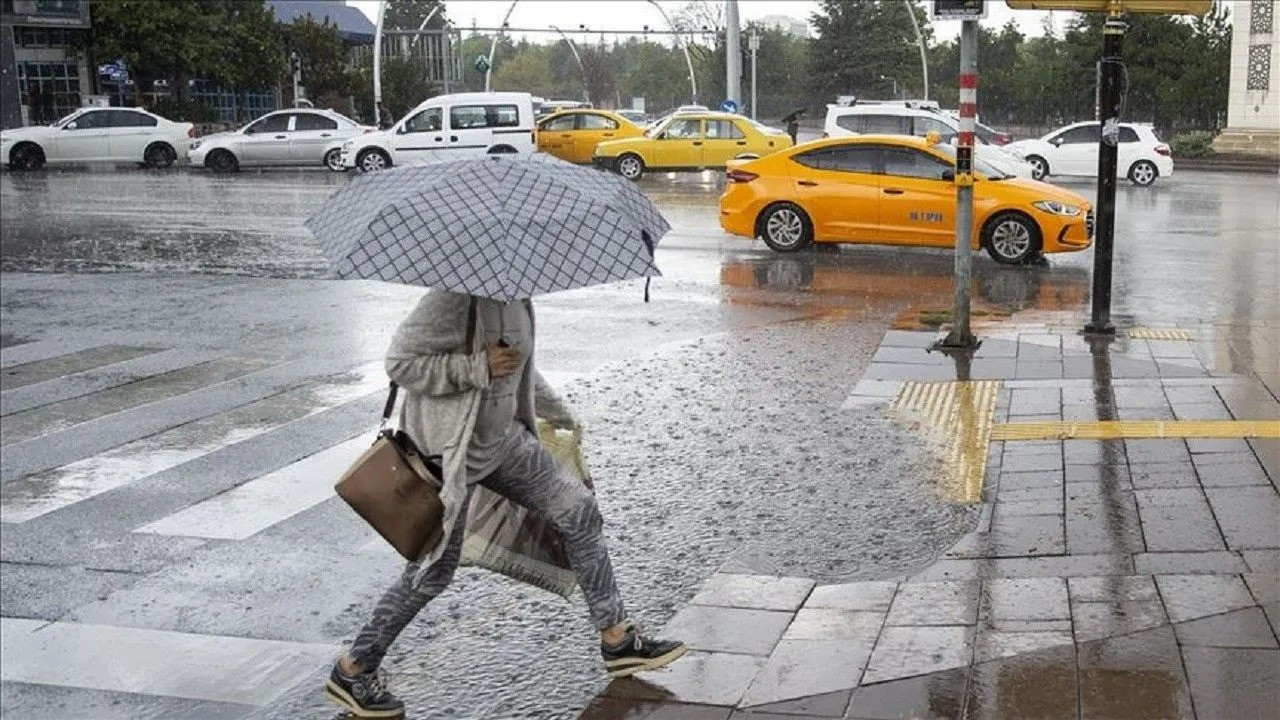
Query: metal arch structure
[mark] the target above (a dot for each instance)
(586, 90)
(684, 45)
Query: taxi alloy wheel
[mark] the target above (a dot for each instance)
(1011, 239)
(333, 160)
(630, 167)
(1143, 173)
(786, 228)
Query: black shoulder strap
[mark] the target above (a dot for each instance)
(391, 403)
(394, 390)
(471, 323)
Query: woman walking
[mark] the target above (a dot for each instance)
(473, 395)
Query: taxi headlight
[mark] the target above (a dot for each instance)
(195, 145)
(1056, 208)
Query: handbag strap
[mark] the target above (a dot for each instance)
(395, 389)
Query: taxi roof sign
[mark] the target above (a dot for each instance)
(1164, 7)
(958, 9)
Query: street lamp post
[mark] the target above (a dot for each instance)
(493, 46)
(732, 55)
(894, 80)
(693, 83)
(586, 90)
(377, 60)
(924, 59)
(754, 43)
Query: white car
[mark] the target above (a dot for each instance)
(464, 123)
(110, 134)
(919, 119)
(299, 136)
(1073, 150)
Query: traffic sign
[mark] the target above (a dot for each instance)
(729, 106)
(958, 9)
(481, 63)
(1165, 7)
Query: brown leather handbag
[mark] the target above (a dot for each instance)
(396, 489)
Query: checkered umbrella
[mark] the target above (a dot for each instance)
(502, 227)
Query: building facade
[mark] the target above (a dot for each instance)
(42, 74)
(1253, 105)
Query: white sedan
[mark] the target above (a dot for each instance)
(285, 137)
(1073, 150)
(97, 135)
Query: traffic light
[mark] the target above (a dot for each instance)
(1165, 7)
(295, 64)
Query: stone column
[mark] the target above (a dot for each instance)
(1253, 105)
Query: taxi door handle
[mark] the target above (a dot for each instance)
(439, 139)
(453, 138)
(326, 134)
(565, 135)
(807, 183)
(697, 142)
(607, 135)
(893, 191)
(742, 142)
(282, 137)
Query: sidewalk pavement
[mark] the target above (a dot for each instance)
(1126, 563)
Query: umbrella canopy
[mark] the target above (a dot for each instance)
(502, 227)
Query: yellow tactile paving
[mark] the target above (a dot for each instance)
(960, 414)
(1137, 429)
(1142, 333)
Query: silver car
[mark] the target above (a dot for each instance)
(299, 136)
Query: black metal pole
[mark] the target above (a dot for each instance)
(1112, 70)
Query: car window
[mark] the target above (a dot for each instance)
(1128, 134)
(685, 129)
(470, 117)
(905, 162)
(93, 120)
(922, 126)
(587, 121)
(852, 123)
(560, 123)
(846, 158)
(886, 125)
(313, 121)
(1091, 133)
(426, 121)
(985, 134)
(271, 123)
(129, 118)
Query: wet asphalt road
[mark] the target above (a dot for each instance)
(714, 412)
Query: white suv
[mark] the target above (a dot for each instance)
(919, 119)
(1073, 150)
(464, 123)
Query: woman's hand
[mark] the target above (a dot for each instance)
(503, 361)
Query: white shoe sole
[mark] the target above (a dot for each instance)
(342, 699)
(631, 666)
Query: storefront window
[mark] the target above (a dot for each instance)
(49, 90)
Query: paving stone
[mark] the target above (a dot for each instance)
(935, 696)
(1239, 628)
(1048, 492)
(1109, 588)
(1264, 586)
(1249, 516)
(908, 338)
(1206, 411)
(1024, 626)
(1214, 471)
(1031, 370)
(761, 592)
(1025, 536)
(1045, 463)
(698, 678)
(935, 603)
(1272, 611)
(822, 705)
(1200, 446)
(1093, 452)
(1023, 508)
(1040, 685)
(1145, 451)
(1102, 519)
(872, 596)
(1233, 683)
(1029, 401)
(1063, 566)
(909, 355)
(906, 651)
(1189, 597)
(1024, 599)
(1199, 394)
(1014, 480)
(855, 626)
(1134, 677)
(992, 645)
(1097, 620)
(1177, 519)
(1162, 475)
(1217, 562)
(612, 708)
(1106, 475)
(801, 668)
(729, 630)
(1263, 561)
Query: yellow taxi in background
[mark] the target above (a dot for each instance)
(573, 134)
(690, 141)
(896, 190)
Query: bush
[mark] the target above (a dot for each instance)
(178, 111)
(1192, 144)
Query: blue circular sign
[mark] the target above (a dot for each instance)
(729, 106)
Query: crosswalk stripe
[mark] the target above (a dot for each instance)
(272, 498)
(219, 668)
(41, 370)
(43, 350)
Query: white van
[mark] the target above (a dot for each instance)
(464, 124)
(917, 118)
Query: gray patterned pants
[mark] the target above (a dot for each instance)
(529, 476)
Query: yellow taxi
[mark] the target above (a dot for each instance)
(896, 190)
(573, 134)
(690, 141)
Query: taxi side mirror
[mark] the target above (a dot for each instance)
(1057, 141)
(70, 126)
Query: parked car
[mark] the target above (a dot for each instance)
(113, 134)
(639, 117)
(573, 134)
(284, 137)
(918, 118)
(690, 141)
(895, 190)
(1073, 150)
(469, 123)
(985, 133)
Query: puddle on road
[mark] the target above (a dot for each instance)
(35, 495)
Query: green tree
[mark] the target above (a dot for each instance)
(409, 14)
(157, 39)
(527, 70)
(250, 46)
(323, 56)
(860, 45)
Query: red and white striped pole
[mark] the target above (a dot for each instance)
(961, 335)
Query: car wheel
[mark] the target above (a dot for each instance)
(630, 166)
(333, 160)
(26, 156)
(222, 161)
(372, 160)
(1039, 167)
(159, 155)
(785, 228)
(1011, 238)
(1143, 173)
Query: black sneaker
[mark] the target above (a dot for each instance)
(364, 696)
(637, 652)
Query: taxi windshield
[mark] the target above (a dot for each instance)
(987, 170)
